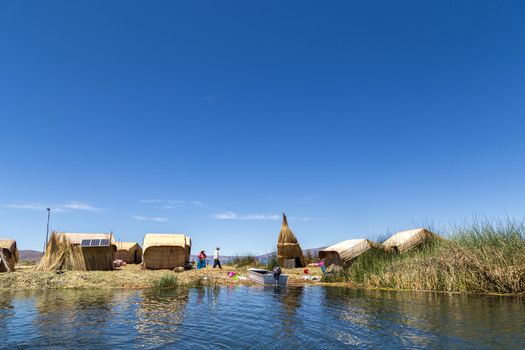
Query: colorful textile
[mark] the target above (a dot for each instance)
(201, 264)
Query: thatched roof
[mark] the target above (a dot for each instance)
(165, 240)
(77, 238)
(9, 244)
(287, 245)
(286, 235)
(406, 240)
(348, 250)
(127, 246)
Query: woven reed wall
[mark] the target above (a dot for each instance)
(164, 257)
(98, 258)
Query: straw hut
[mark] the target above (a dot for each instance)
(165, 251)
(79, 251)
(129, 252)
(288, 247)
(8, 255)
(406, 240)
(343, 253)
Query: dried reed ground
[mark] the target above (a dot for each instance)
(129, 277)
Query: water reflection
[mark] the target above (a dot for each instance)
(158, 316)
(260, 318)
(288, 301)
(7, 311)
(59, 314)
(407, 319)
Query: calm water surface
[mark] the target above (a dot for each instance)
(259, 318)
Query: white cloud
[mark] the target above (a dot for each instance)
(149, 218)
(173, 203)
(81, 206)
(230, 215)
(58, 208)
(26, 205)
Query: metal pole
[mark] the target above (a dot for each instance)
(47, 232)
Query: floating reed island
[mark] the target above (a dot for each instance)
(480, 258)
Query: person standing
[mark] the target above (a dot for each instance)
(202, 260)
(276, 274)
(216, 259)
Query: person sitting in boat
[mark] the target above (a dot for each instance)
(202, 260)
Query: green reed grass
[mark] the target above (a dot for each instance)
(272, 261)
(484, 257)
(165, 282)
(245, 260)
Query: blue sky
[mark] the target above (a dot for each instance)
(213, 117)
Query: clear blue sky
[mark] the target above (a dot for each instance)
(211, 118)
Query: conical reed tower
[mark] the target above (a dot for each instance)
(288, 247)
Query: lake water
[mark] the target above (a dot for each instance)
(259, 318)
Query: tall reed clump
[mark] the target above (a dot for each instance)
(60, 254)
(310, 257)
(272, 261)
(481, 258)
(244, 260)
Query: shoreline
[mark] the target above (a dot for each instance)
(131, 277)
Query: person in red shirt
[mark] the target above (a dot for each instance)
(202, 260)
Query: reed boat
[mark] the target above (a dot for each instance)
(266, 277)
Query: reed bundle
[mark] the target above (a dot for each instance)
(61, 254)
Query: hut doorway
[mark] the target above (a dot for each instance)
(135, 257)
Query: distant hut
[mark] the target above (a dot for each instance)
(406, 240)
(78, 251)
(129, 252)
(343, 253)
(165, 251)
(289, 252)
(8, 255)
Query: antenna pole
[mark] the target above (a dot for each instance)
(47, 232)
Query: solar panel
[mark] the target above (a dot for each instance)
(85, 243)
(104, 242)
(95, 242)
